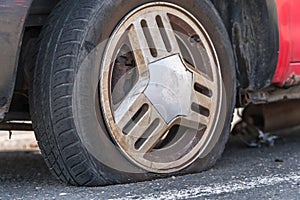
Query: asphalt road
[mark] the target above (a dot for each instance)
(242, 173)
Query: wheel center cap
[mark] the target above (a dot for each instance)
(170, 87)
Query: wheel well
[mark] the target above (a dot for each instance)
(37, 16)
(252, 27)
(253, 30)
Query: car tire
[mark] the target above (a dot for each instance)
(73, 125)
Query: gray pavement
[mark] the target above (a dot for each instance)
(242, 173)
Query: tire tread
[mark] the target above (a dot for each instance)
(59, 39)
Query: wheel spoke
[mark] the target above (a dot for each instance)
(202, 88)
(156, 133)
(142, 125)
(164, 38)
(152, 39)
(158, 41)
(201, 100)
(201, 79)
(130, 105)
(170, 34)
(193, 121)
(139, 47)
(146, 132)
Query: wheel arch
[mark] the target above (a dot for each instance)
(254, 32)
(11, 35)
(246, 23)
(25, 21)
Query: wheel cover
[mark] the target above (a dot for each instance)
(161, 87)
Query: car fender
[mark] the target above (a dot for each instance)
(13, 14)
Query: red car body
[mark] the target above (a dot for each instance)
(288, 67)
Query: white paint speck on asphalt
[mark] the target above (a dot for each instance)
(218, 188)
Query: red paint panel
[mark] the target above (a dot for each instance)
(284, 58)
(295, 29)
(289, 51)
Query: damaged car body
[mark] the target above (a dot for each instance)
(102, 81)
